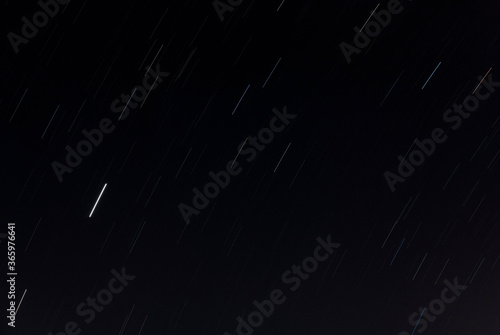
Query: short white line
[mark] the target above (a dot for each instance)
(185, 64)
(20, 301)
(76, 116)
(147, 95)
(495, 262)
(419, 266)
(18, 105)
(140, 331)
(50, 122)
(158, 24)
(183, 162)
(441, 271)
(239, 151)
(373, 12)
(280, 5)
(140, 66)
(389, 233)
(240, 99)
(282, 157)
(431, 75)
(153, 60)
(271, 73)
(98, 200)
(147, 202)
(126, 104)
(482, 80)
(32, 234)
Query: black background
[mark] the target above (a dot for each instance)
(198, 278)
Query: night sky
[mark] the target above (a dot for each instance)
(251, 167)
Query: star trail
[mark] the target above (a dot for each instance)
(240, 167)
